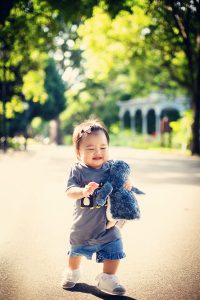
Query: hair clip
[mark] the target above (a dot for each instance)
(88, 130)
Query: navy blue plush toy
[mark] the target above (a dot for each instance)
(123, 204)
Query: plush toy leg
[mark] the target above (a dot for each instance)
(121, 223)
(110, 224)
(111, 221)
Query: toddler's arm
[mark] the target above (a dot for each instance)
(79, 192)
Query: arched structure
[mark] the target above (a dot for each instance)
(146, 113)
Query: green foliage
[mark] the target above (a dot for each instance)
(116, 64)
(24, 37)
(120, 50)
(54, 86)
(113, 66)
(179, 21)
(182, 133)
(137, 47)
(110, 44)
(18, 124)
(67, 139)
(39, 127)
(81, 9)
(33, 87)
(127, 138)
(79, 108)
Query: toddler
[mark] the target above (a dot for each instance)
(90, 232)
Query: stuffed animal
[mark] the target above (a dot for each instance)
(123, 204)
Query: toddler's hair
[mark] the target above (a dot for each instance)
(87, 127)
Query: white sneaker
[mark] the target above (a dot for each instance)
(70, 278)
(110, 284)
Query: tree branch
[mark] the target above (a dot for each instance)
(186, 40)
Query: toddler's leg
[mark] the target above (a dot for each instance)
(110, 266)
(74, 262)
(107, 281)
(72, 274)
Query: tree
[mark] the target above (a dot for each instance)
(25, 33)
(49, 109)
(164, 52)
(55, 102)
(71, 10)
(172, 40)
(176, 30)
(117, 61)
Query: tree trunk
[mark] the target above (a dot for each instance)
(4, 119)
(58, 135)
(4, 129)
(55, 132)
(195, 147)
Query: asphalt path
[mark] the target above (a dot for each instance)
(163, 247)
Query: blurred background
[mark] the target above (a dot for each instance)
(133, 64)
(136, 66)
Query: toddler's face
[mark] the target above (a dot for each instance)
(93, 149)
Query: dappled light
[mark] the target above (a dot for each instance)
(66, 63)
(135, 66)
(162, 247)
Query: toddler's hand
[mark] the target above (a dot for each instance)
(90, 188)
(128, 185)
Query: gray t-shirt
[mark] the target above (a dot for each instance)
(89, 219)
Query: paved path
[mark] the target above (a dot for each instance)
(163, 248)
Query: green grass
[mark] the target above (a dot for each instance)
(139, 141)
(126, 138)
(67, 140)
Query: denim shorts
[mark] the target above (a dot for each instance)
(108, 251)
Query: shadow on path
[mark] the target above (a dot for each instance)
(90, 289)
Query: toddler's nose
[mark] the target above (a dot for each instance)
(97, 151)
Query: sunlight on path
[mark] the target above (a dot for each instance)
(163, 251)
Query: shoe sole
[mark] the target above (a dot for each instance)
(65, 287)
(111, 293)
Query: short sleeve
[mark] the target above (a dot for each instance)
(74, 178)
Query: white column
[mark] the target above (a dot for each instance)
(132, 115)
(144, 122)
(157, 113)
(121, 117)
(122, 122)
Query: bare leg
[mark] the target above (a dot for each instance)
(71, 274)
(110, 266)
(107, 281)
(74, 262)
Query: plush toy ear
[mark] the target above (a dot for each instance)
(119, 173)
(137, 191)
(103, 193)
